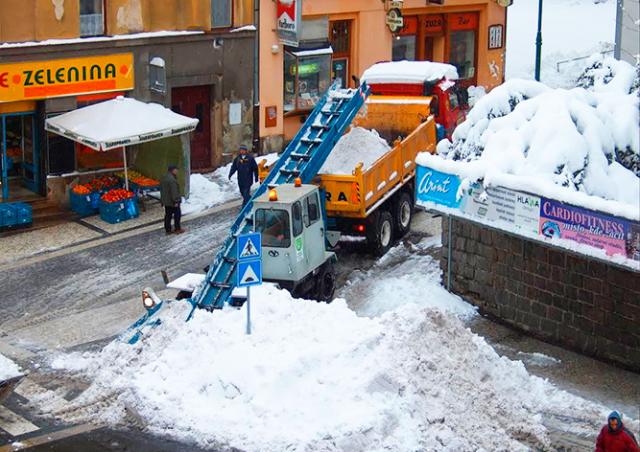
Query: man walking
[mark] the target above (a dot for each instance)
(614, 437)
(247, 169)
(170, 199)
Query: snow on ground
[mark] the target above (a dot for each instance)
(8, 369)
(586, 27)
(315, 376)
(207, 190)
(583, 140)
(357, 145)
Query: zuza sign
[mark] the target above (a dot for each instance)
(289, 19)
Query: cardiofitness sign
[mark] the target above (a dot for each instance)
(35, 80)
(529, 215)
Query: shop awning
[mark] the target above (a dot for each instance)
(119, 122)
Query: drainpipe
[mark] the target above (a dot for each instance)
(256, 77)
(449, 263)
(618, 44)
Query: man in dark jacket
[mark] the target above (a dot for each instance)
(170, 199)
(247, 169)
(614, 437)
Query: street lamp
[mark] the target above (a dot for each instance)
(539, 41)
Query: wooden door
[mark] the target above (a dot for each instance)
(195, 102)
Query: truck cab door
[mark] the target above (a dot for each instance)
(314, 231)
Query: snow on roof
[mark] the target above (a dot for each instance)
(119, 122)
(555, 140)
(409, 72)
(322, 51)
(245, 28)
(51, 42)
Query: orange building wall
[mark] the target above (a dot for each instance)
(372, 42)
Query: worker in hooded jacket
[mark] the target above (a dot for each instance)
(615, 437)
(247, 168)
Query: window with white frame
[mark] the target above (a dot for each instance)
(221, 13)
(91, 17)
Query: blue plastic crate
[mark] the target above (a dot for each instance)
(24, 213)
(117, 212)
(84, 205)
(7, 215)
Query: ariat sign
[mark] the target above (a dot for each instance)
(289, 21)
(68, 77)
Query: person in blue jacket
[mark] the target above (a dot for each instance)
(247, 168)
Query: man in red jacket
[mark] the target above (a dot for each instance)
(614, 437)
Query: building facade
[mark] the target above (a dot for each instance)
(193, 56)
(338, 40)
(628, 31)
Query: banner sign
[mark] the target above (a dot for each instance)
(289, 14)
(33, 80)
(528, 214)
(580, 225)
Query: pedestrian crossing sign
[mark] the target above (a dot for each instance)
(249, 273)
(249, 246)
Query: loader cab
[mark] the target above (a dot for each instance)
(290, 221)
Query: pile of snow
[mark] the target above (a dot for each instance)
(8, 369)
(562, 40)
(583, 140)
(409, 72)
(357, 145)
(315, 376)
(208, 190)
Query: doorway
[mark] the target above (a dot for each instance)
(20, 156)
(195, 102)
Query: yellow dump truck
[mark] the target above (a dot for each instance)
(377, 202)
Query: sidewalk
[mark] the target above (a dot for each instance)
(87, 232)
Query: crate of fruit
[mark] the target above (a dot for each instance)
(118, 205)
(83, 201)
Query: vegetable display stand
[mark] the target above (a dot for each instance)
(14, 215)
(119, 211)
(84, 204)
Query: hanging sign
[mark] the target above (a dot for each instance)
(289, 14)
(33, 80)
(394, 20)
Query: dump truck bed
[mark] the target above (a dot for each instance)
(405, 122)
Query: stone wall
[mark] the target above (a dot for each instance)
(578, 302)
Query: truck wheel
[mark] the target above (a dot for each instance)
(326, 283)
(403, 213)
(380, 234)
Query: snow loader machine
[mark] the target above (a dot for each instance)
(301, 215)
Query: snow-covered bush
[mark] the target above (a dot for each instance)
(586, 139)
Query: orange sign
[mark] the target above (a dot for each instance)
(68, 77)
(434, 24)
(463, 21)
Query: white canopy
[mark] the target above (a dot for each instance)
(119, 122)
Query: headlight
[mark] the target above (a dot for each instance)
(149, 298)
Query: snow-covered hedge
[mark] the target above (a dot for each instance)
(586, 139)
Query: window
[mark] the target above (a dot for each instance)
(462, 53)
(306, 78)
(404, 48)
(91, 17)
(220, 13)
(312, 210)
(157, 75)
(296, 210)
(453, 100)
(340, 37)
(273, 224)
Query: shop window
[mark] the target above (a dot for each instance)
(306, 78)
(462, 53)
(404, 48)
(221, 13)
(157, 75)
(91, 17)
(60, 154)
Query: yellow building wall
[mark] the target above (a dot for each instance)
(271, 69)
(125, 16)
(243, 12)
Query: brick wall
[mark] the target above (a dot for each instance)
(559, 296)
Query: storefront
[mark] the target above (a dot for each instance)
(41, 82)
(318, 42)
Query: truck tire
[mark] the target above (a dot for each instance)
(403, 213)
(325, 283)
(380, 232)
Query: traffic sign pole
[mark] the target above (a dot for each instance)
(248, 310)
